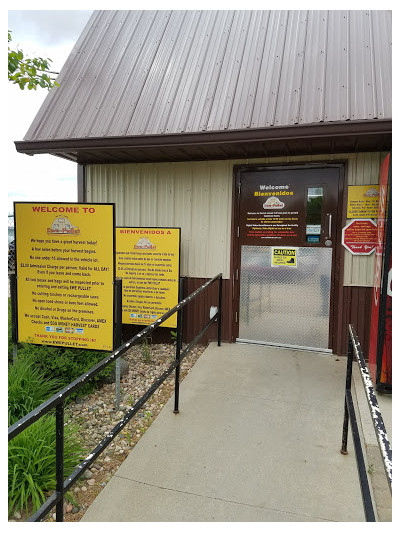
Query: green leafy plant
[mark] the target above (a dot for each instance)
(29, 72)
(128, 437)
(66, 364)
(146, 350)
(32, 460)
(27, 388)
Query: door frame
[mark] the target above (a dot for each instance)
(337, 290)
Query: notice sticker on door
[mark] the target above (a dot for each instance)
(313, 229)
(284, 257)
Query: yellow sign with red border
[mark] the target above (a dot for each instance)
(65, 274)
(147, 260)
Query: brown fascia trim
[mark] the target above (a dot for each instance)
(181, 140)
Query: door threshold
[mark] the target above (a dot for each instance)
(287, 346)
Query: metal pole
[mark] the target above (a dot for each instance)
(362, 474)
(219, 311)
(181, 314)
(60, 461)
(178, 348)
(118, 339)
(349, 370)
(13, 297)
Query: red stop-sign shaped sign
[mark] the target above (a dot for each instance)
(359, 236)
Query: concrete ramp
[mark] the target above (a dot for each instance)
(257, 439)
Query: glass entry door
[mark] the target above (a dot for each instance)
(286, 234)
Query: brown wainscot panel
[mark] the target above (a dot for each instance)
(197, 313)
(357, 311)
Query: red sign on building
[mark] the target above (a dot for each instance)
(359, 236)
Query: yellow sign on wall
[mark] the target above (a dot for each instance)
(286, 257)
(362, 201)
(147, 260)
(65, 274)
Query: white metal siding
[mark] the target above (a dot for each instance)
(197, 196)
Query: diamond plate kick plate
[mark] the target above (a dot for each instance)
(285, 305)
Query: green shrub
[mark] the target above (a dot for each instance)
(32, 463)
(65, 364)
(27, 388)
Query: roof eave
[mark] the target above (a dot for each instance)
(350, 134)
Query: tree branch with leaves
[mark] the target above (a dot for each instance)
(29, 72)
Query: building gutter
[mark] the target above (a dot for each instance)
(186, 140)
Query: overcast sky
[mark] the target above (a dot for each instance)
(47, 34)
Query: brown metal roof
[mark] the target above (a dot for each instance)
(175, 85)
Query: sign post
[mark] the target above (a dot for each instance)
(65, 274)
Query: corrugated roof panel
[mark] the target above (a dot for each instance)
(270, 74)
(116, 109)
(182, 107)
(130, 89)
(337, 102)
(50, 114)
(83, 77)
(107, 92)
(228, 79)
(243, 102)
(288, 103)
(361, 89)
(120, 30)
(313, 86)
(158, 75)
(161, 119)
(382, 46)
(203, 96)
(163, 72)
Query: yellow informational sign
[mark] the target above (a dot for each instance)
(362, 201)
(147, 260)
(286, 257)
(65, 274)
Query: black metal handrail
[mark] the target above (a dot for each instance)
(57, 400)
(354, 350)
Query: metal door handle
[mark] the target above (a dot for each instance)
(329, 225)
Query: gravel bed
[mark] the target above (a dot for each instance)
(95, 415)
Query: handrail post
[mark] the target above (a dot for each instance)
(349, 370)
(178, 348)
(60, 460)
(219, 311)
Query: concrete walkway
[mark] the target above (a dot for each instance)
(257, 439)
